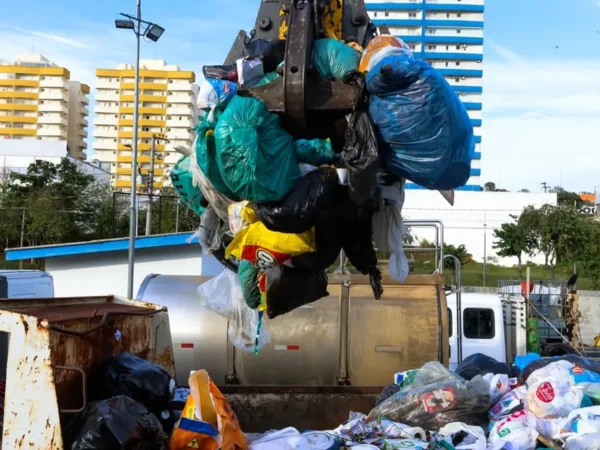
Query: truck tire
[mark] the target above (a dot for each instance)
(552, 350)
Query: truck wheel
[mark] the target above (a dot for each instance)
(552, 350)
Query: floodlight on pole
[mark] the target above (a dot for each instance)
(152, 32)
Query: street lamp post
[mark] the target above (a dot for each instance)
(152, 32)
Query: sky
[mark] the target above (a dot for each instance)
(541, 102)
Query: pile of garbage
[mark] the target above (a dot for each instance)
(535, 404)
(278, 209)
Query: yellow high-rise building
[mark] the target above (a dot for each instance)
(167, 105)
(38, 101)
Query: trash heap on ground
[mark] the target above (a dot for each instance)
(537, 403)
(278, 210)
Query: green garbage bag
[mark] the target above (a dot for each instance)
(255, 155)
(182, 180)
(268, 78)
(206, 154)
(248, 274)
(315, 152)
(333, 58)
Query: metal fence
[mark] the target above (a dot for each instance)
(169, 215)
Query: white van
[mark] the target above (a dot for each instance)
(483, 327)
(25, 284)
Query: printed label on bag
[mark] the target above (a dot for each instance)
(545, 392)
(193, 443)
(439, 400)
(578, 370)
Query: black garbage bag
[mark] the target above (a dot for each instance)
(480, 364)
(360, 156)
(329, 241)
(143, 381)
(116, 423)
(584, 363)
(299, 210)
(270, 52)
(358, 246)
(289, 288)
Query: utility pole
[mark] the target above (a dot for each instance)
(545, 187)
(22, 237)
(150, 179)
(484, 249)
(150, 187)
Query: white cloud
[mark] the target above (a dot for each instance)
(54, 37)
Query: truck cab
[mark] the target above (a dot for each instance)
(482, 324)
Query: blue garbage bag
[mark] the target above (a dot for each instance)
(255, 155)
(334, 59)
(424, 131)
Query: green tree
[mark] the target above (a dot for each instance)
(512, 241)
(460, 252)
(489, 187)
(525, 191)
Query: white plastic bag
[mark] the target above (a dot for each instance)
(580, 421)
(250, 71)
(236, 223)
(559, 370)
(552, 398)
(223, 295)
(585, 442)
(286, 439)
(389, 230)
(515, 432)
(213, 93)
(510, 403)
(475, 439)
(500, 385)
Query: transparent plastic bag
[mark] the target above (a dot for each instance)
(218, 201)
(223, 295)
(552, 398)
(433, 405)
(389, 232)
(516, 432)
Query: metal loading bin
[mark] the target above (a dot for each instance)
(54, 347)
(346, 338)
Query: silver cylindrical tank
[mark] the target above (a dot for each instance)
(347, 337)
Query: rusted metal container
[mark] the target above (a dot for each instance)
(55, 345)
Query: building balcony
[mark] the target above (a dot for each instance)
(18, 131)
(51, 107)
(185, 123)
(13, 82)
(52, 119)
(106, 120)
(108, 146)
(108, 97)
(98, 133)
(181, 99)
(181, 87)
(54, 82)
(52, 132)
(19, 94)
(18, 119)
(114, 110)
(54, 95)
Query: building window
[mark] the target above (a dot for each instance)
(459, 15)
(448, 15)
(387, 14)
(375, 14)
(446, 63)
(413, 46)
(412, 14)
(458, 47)
(431, 47)
(479, 323)
(115, 128)
(457, 79)
(458, 31)
(458, 63)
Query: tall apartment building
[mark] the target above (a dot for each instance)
(38, 101)
(167, 104)
(449, 35)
